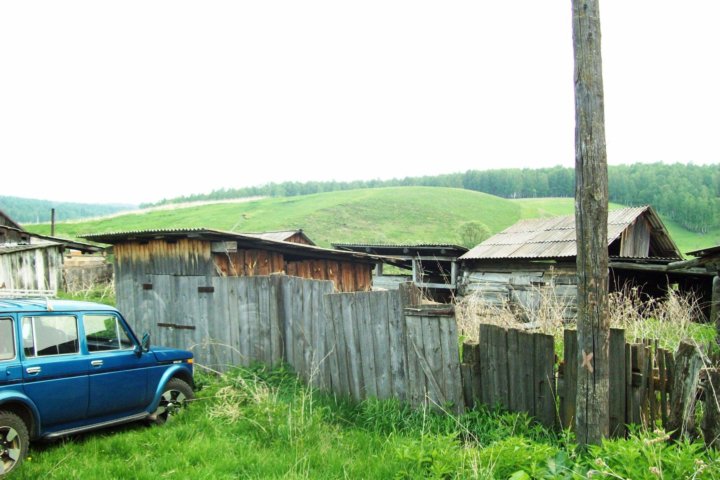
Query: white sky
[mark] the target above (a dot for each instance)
(135, 101)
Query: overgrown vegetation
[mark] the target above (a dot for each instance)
(261, 423)
(668, 320)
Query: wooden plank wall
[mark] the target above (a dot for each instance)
(32, 269)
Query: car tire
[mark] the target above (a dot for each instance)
(176, 394)
(14, 441)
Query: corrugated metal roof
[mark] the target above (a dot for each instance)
(555, 237)
(14, 248)
(244, 239)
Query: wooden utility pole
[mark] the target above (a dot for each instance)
(591, 198)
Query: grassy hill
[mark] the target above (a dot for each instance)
(387, 215)
(391, 215)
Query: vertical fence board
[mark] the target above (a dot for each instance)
(277, 350)
(663, 385)
(450, 338)
(379, 316)
(617, 382)
(429, 359)
(569, 379)
(398, 347)
(362, 320)
(545, 402)
(345, 348)
(333, 311)
(415, 347)
(244, 322)
(502, 380)
(355, 359)
(486, 365)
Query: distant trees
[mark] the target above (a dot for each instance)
(688, 194)
(25, 210)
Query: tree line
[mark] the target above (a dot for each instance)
(26, 210)
(688, 194)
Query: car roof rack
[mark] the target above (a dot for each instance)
(27, 293)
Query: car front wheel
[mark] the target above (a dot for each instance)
(173, 399)
(14, 440)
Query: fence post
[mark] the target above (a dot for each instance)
(711, 419)
(688, 363)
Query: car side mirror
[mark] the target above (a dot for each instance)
(144, 343)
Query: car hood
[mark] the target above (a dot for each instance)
(166, 354)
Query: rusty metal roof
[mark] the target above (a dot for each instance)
(546, 238)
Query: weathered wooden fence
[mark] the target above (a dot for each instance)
(360, 345)
(378, 344)
(514, 369)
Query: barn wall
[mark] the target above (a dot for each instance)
(636, 239)
(159, 257)
(32, 269)
(347, 276)
(524, 288)
(248, 263)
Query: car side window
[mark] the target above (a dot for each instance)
(50, 335)
(7, 339)
(104, 332)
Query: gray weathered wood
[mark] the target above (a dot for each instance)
(686, 377)
(354, 356)
(333, 310)
(569, 397)
(617, 382)
(398, 347)
(591, 213)
(711, 419)
(545, 398)
(379, 317)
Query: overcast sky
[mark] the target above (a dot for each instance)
(135, 101)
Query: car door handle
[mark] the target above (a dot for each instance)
(96, 363)
(33, 370)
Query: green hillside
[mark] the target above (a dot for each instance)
(389, 215)
(382, 215)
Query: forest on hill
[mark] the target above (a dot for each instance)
(688, 194)
(26, 210)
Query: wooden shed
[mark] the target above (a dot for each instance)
(32, 262)
(208, 253)
(533, 258)
(31, 267)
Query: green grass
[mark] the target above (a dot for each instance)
(385, 215)
(390, 215)
(259, 423)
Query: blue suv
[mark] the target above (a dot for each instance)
(67, 367)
